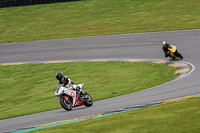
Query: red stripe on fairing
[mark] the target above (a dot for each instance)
(78, 102)
(66, 99)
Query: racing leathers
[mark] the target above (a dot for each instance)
(67, 82)
(165, 49)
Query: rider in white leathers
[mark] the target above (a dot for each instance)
(65, 81)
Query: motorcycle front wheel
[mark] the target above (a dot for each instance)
(67, 105)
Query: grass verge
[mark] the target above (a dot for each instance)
(176, 117)
(29, 88)
(96, 17)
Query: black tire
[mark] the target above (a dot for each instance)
(67, 105)
(88, 101)
(179, 55)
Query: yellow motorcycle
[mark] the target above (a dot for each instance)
(173, 52)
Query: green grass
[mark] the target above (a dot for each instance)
(96, 17)
(176, 117)
(29, 88)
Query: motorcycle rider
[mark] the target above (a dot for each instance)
(65, 81)
(166, 50)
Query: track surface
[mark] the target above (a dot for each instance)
(137, 46)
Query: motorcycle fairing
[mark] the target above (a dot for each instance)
(74, 95)
(172, 48)
(78, 102)
(71, 93)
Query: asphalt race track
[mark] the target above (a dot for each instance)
(135, 46)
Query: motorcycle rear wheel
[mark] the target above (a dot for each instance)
(88, 102)
(179, 55)
(67, 105)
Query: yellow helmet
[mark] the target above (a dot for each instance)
(164, 42)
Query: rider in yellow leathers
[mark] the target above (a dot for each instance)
(166, 47)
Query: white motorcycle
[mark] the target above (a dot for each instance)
(70, 98)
